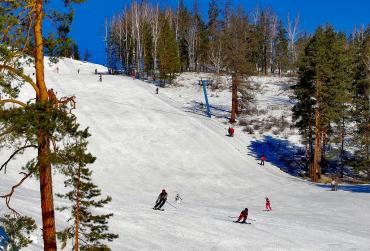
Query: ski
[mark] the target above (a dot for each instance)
(161, 209)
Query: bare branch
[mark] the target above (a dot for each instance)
(5, 164)
(8, 196)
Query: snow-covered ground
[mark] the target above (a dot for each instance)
(145, 142)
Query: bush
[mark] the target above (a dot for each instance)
(275, 132)
(256, 126)
(243, 122)
(248, 129)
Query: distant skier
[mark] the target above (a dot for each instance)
(162, 198)
(268, 204)
(262, 160)
(178, 199)
(57, 69)
(78, 71)
(96, 71)
(156, 90)
(231, 132)
(334, 185)
(243, 216)
(100, 78)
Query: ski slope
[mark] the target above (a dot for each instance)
(145, 142)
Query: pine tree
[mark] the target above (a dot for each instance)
(237, 55)
(320, 92)
(169, 62)
(87, 230)
(75, 52)
(361, 101)
(87, 55)
(183, 17)
(147, 48)
(18, 229)
(281, 49)
(41, 123)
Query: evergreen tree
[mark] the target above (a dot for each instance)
(183, 17)
(281, 49)
(169, 62)
(87, 55)
(43, 123)
(62, 22)
(322, 87)
(75, 52)
(361, 101)
(18, 229)
(147, 48)
(237, 55)
(87, 230)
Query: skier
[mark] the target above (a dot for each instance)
(268, 205)
(231, 132)
(243, 216)
(78, 71)
(156, 90)
(333, 185)
(57, 69)
(100, 78)
(178, 199)
(162, 198)
(96, 71)
(262, 160)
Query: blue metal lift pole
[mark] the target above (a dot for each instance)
(204, 83)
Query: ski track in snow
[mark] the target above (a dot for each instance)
(145, 142)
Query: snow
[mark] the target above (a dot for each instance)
(146, 142)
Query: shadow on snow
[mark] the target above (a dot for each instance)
(290, 158)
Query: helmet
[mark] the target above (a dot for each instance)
(163, 190)
(246, 209)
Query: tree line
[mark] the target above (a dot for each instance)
(332, 101)
(143, 38)
(146, 40)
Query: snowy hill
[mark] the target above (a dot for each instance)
(145, 142)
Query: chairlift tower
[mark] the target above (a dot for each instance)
(204, 83)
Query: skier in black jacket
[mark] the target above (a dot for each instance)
(162, 198)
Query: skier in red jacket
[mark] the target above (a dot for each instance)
(231, 132)
(268, 205)
(262, 160)
(243, 216)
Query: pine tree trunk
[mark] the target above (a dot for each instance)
(317, 153)
(77, 213)
(46, 187)
(234, 99)
(318, 132)
(310, 140)
(342, 148)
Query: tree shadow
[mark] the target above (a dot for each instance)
(348, 188)
(201, 109)
(289, 157)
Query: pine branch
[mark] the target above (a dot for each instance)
(8, 196)
(7, 131)
(13, 101)
(5, 164)
(23, 76)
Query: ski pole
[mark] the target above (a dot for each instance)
(171, 205)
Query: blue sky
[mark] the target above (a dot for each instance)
(88, 27)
